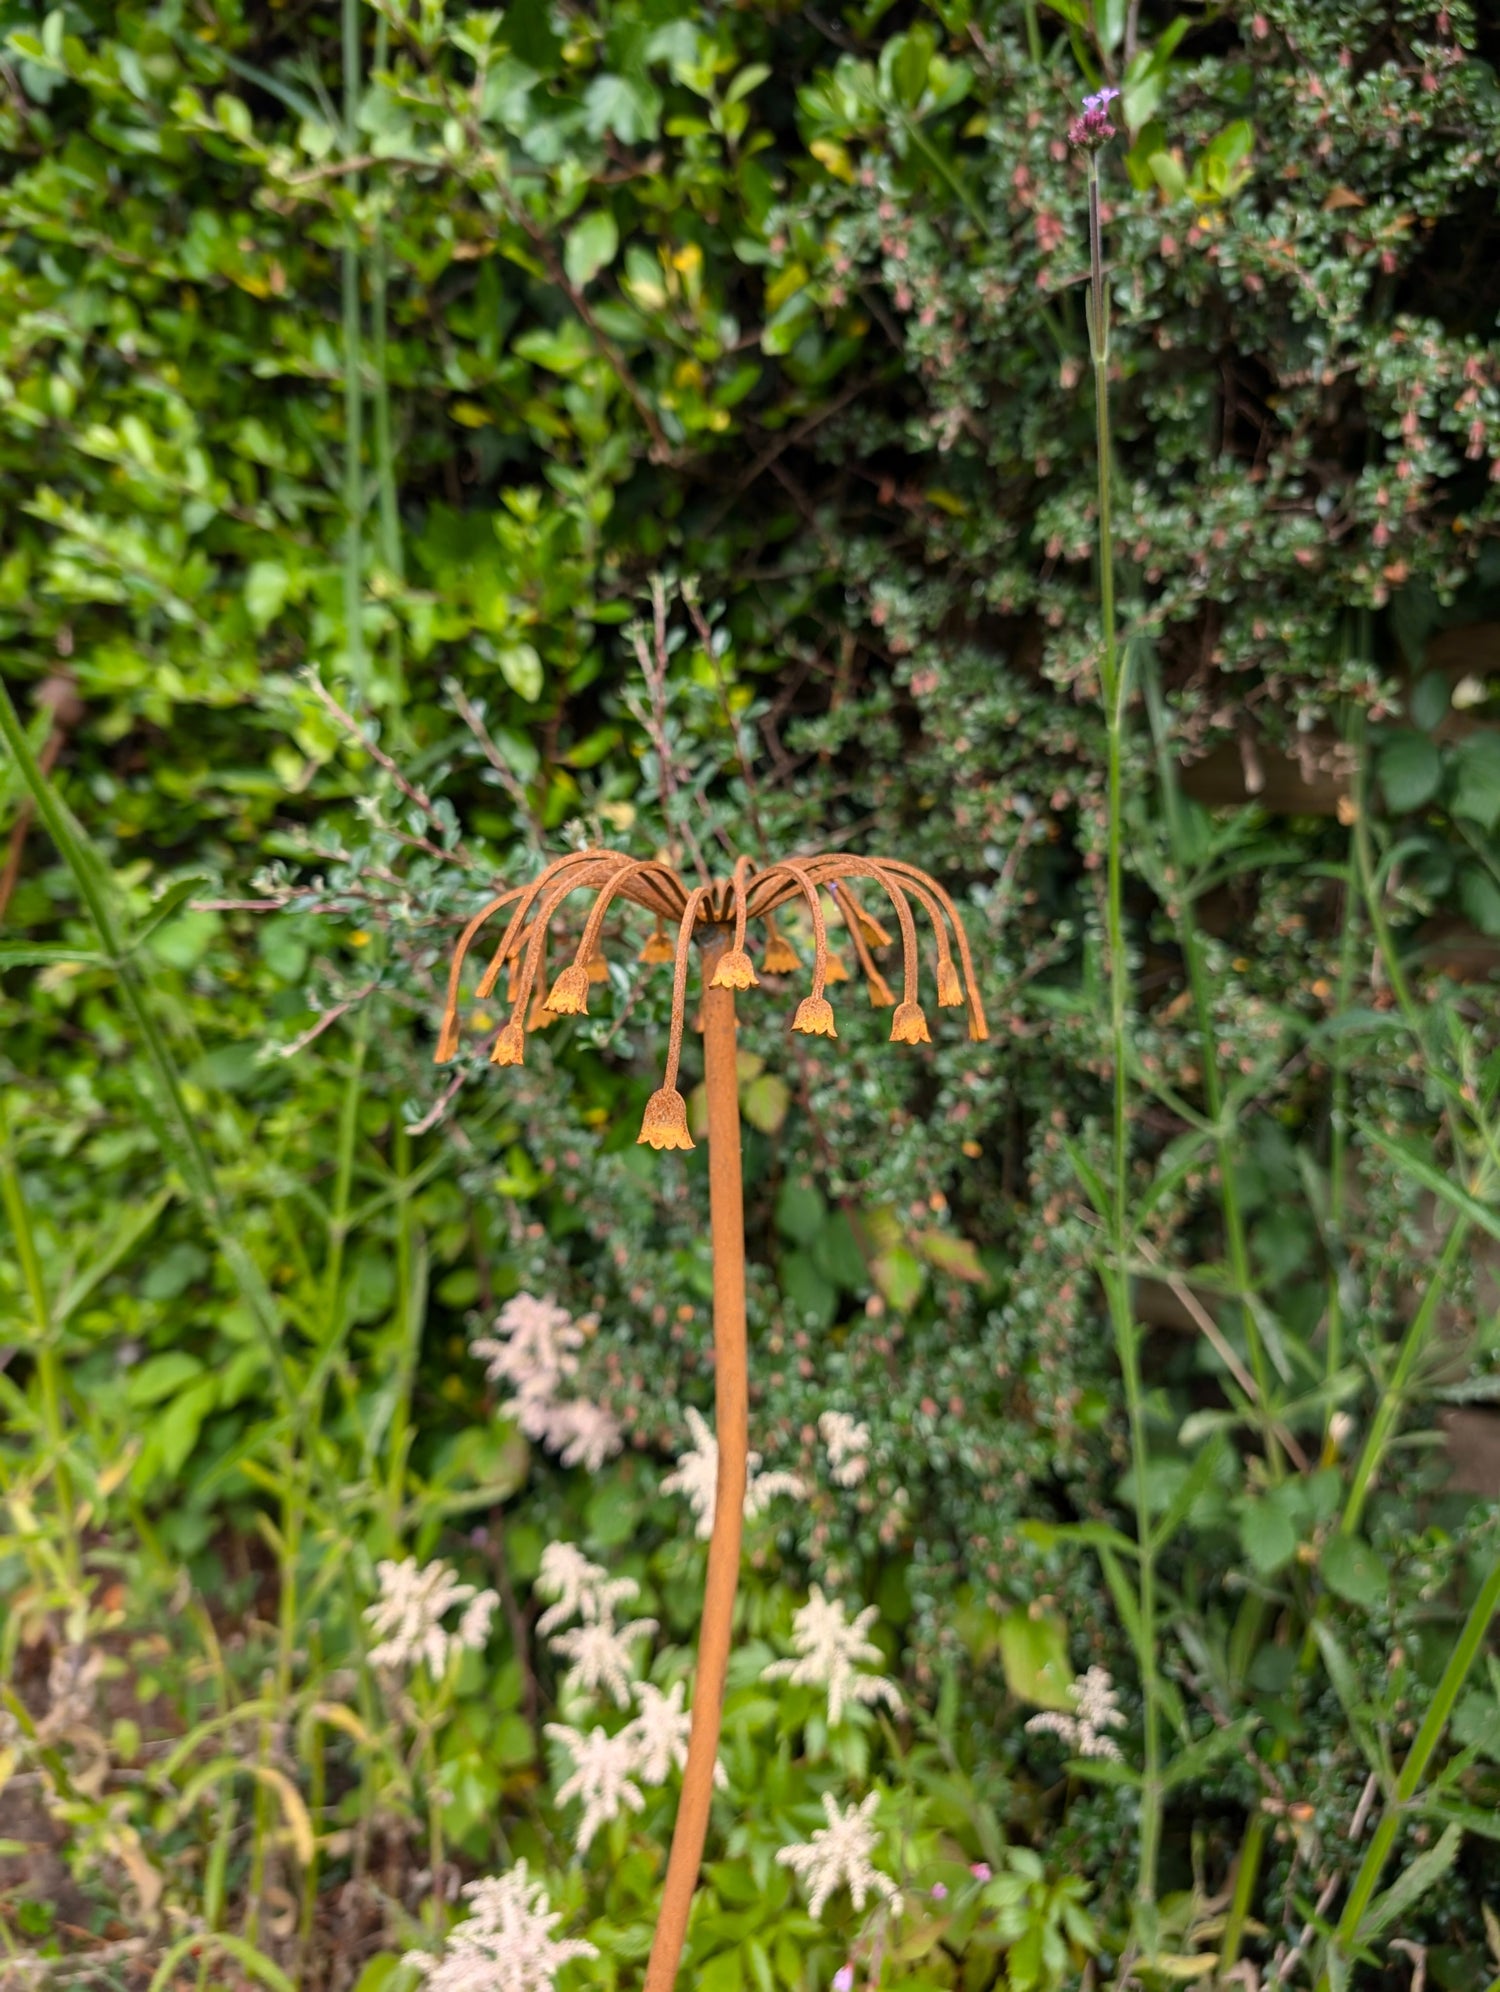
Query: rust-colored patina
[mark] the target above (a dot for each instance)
(717, 914)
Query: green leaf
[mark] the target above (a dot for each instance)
(562, 350)
(801, 1212)
(764, 1102)
(1034, 1655)
(160, 1376)
(267, 584)
(1267, 1535)
(521, 668)
(1411, 769)
(1429, 701)
(135, 1222)
(1480, 898)
(805, 1289)
(1477, 793)
(25, 954)
(1407, 1890)
(591, 244)
(1352, 1571)
(164, 906)
(900, 1276)
(950, 1254)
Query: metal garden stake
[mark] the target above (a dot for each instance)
(716, 915)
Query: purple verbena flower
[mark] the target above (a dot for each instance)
(939, 1891)
(981, 1871)
(1092, 127)
(843, 1978)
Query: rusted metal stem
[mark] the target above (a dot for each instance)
(732, 1411)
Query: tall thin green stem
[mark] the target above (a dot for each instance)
(49, 1383)
(1409, 1783)
(183, 1140)
(354, 495)
(1113, 685)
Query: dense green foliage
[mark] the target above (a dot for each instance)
(430, 440)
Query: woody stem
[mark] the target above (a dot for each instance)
(731, 1413)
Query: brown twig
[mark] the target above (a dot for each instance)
(330, 1016)
(788, 439)
(1214, 1336)
(520, 1631)
(458, 853)
(654, 664)
(509, 780)
(747, 775)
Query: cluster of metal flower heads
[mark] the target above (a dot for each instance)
(721, 908)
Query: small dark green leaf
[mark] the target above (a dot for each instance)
(1477, 794)
(1352, 1571)
(1410, 770)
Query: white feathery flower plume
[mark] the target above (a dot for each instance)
(830, 1653)
(838, 1854)
(599, 1652)
(580, 1588)
(506, 1942)
(848, 1444)
(659, 1734)
(1096, 1711)
(532, 1349)
(602, 1768)
(408, 1615)
(697, 1477)
(534, 1352)
(581, 1433)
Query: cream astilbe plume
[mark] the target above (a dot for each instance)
(1096, 1712)
(848, 1444)
(599, 1656)
(578, 1588)
(838, 1855)
(696, 1477)
(831, 1651)
(601, 1779)
(408, 1615)
(505, 1944)
(532, 1349)
(659, 1734)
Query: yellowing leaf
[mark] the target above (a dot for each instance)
(833, 158)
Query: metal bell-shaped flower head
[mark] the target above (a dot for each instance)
(723, 907)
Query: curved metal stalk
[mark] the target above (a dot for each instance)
(732, 1421)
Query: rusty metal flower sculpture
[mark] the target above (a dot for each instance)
(717, 915)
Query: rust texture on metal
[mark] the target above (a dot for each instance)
(717, 914)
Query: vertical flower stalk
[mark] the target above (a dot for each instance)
(1090, 132)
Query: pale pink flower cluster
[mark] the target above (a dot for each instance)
(838, 1855)
(408, 1615)
(696, 1476)
(848, 1446)
(831, 1650)
(598, 1650)
(534, 1351)
(506, 1942)
(608, 1771)
(603, 1767)
(1096, 1711)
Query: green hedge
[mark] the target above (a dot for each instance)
(498, 367)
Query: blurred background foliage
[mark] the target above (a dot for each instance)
(427, 439)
